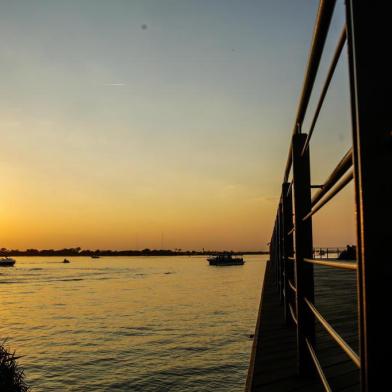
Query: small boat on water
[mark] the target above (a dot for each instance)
(7, 262)
(66, 261)
(225, 259)
(95, 256)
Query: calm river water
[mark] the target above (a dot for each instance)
(131, 323)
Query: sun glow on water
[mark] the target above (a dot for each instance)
(131, 323)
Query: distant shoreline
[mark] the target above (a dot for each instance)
(77, 252)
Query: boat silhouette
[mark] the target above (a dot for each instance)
(225, 259)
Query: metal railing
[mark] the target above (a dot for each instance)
(370, 86)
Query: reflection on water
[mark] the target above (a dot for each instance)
(131, 323)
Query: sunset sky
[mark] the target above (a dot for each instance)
(141, 123)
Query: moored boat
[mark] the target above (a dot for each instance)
(66, 261)
(225, 259)
(7, 262)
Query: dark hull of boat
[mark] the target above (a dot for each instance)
(225, 263)
(7, 263)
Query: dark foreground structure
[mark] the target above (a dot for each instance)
(11, 375)
(274, 358)
(322, 324)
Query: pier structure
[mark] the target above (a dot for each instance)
(323, 323)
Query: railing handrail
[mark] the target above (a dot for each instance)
(341, 168)
(331, 71)
(320, 32)
(295, 291)
(366, 32)
(335, 264)
(338, 339)
(346, 179)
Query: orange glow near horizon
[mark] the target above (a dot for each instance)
(210, 218)
(181, 219)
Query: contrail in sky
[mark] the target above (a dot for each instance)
(115, 84)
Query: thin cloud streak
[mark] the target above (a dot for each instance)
(115, 84)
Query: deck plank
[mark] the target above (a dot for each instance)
(273, 364)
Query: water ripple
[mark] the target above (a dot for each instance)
(131, 324)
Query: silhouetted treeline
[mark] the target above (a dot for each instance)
(99, 252)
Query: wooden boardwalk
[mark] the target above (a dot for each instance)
(273, 365)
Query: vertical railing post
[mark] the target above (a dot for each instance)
(271, 249)
(287, 225)
(272, 261)
(280, 254)
(303, 248)
(368, 27)
(274, 257)
(276, 254)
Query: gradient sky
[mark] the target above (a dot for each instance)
(142, 123)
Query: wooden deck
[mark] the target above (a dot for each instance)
(273, 365)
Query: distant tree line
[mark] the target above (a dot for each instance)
(107, 252)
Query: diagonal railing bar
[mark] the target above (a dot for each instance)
(342, 167)
(335, 264)
(320, 32)
(335, 59)
(319, 369)
(331, 195)
(334, 335)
